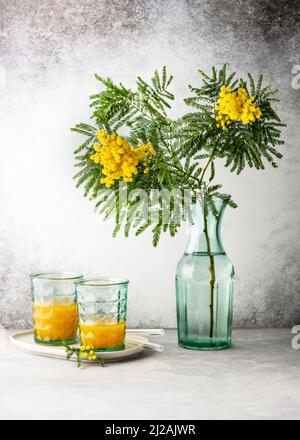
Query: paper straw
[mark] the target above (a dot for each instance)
(146, 344)
(145, 331)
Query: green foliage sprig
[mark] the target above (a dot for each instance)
(186, 149)
(144, 113)
(240, 145)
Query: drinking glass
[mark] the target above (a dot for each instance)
(102, 307)
(55, 317)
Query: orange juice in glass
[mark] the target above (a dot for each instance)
(102, 308)
(55, 314)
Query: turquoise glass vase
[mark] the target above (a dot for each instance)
(204, 285)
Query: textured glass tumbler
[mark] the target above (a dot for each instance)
(102, 307)
(204, 286)
(55, 317)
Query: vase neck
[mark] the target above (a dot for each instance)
(205, 233)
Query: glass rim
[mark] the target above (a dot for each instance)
(102, 282)
(56, 276)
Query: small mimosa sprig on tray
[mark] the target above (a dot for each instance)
(83, 352)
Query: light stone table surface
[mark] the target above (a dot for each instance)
(259, 378)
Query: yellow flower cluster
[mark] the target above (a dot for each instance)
(88, 352)
(120, 160)
(236, 106)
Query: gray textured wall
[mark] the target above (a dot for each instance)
(49, 51)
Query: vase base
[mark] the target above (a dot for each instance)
(205, 344)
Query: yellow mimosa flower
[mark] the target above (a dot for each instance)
(235, 106)
(119, 159)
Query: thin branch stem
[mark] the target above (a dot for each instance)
(212, 272)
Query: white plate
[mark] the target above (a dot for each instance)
(24, 340)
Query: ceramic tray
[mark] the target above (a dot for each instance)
(24, 340)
